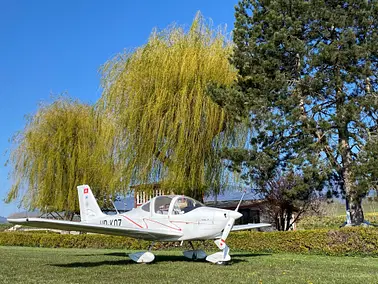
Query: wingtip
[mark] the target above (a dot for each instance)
(18, 221)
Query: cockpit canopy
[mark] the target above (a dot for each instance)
(162, 204)
(172, 205)
(184, 204)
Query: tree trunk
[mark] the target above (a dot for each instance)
(355, 209)
(282, 221)
(68, 215)
(354, 200)
(197, 195)
(352, 196)
(277, 221)
(288, 219)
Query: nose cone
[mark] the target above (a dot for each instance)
(235, 215)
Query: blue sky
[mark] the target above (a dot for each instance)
(56, 46)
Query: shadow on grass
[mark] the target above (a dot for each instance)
(94, 264)
(243, 254)
(126, 254)
(158, 258)
(241, 257)
(236, 258)
(121, 254)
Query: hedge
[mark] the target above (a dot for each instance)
(346, 241)
(56, 240)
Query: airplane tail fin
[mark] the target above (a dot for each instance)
(89, 208)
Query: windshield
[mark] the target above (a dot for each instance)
(185, 204)
(146, 207)
(162, 204)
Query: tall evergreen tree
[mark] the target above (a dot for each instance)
(308, 85)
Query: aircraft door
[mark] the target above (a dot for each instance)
(159, 213)
(183, 215)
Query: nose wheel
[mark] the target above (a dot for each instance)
(221, 257)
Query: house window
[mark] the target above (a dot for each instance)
(249, 216)
(254, 216)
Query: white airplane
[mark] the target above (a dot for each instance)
(163, 218)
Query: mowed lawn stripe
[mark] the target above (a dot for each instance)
(46, 265)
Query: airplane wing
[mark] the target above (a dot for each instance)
(138, 233)
(250, 226)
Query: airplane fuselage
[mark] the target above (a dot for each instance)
(163, 218)
(198, 224)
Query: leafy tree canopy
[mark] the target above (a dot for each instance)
(169, 129)
(63, 145)
(307, 82)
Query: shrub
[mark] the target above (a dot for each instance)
(4, 227)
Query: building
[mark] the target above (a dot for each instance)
(251, 210)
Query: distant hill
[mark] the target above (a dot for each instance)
(3, 220)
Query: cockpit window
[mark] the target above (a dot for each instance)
(146, 207)
(185, 204)
(162, 204)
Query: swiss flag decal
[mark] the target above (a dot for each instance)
(86, 190)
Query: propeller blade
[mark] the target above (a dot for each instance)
(241, 199)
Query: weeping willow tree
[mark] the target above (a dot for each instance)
(63, 145)
(169, 128)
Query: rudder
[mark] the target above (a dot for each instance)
(89, 208)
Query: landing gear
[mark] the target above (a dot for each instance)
(222, 263)
(143, 256)
(221, 257)
(194, 254)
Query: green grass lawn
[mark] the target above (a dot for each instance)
(42, 265)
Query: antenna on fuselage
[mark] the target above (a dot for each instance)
(114, 206)
(241, 199)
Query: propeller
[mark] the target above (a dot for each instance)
(233, 215)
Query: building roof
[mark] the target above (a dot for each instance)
(231, 204)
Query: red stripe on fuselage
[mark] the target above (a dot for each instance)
(127, 218)
(144, 220)
(177, 228)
